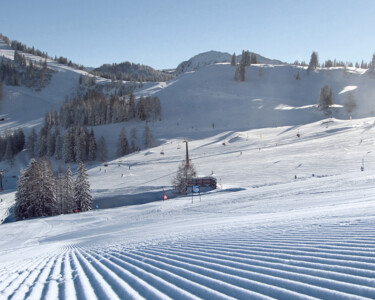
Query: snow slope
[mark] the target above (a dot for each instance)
(212, 57)
(293, 217)
(262, 234)
(269, 97)
(25, 107)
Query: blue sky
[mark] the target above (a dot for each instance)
(166, 32)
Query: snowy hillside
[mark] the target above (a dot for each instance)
(212, 57)
(25, 107)
(292, 218)
(270, 97)
(262, 234)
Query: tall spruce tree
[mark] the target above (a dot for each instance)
(31, 143)
(28, 195)
(147, 135)
(69, 203)
(133, 137)
(314, 62)
(122, 143)
(92, 146)
(233, 61)
(59, 191)
(82, 194)
(184, 175)
(102, 149)
(325, 98)
(47, 189)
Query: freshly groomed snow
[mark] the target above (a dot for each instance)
(261, 234)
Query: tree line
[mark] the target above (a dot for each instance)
(40, 193)
(18, 46)
(11, 143)
(78, 144)
(22, 71)
(247, 59)
(95, 109)
(131, 72)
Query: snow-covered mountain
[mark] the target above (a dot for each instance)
(132, 72)
(213, 57)
(292, 216)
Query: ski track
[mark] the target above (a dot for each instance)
(329, 262)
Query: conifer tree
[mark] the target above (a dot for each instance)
(133, 136)
(28, 195)
(102, 149)
(149, 140)
(132, 111)
(47, 189)
(233, 60)
(58, 146)
(31, 143)
(69, 203)
(82, 193)
(325, 98)
(313, 64)
(59, 191)
(68, 153)
(184, 175)
(122, 144)
(253, 58)
(92, 146)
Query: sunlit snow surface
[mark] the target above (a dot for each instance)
(293, 215)
(261, 234)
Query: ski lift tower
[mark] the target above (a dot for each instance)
(187, 152)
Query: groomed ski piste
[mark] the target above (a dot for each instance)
(261, 234)
(293, 217)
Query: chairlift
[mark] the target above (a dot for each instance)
(178, 146)
(162, 151)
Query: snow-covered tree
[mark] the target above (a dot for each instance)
(141, 109)
(28, 202)
(58, 146)
(80, 144)
(69, 203)
(47, 189)
(132, 111)
(42, 142)
(51, 142)
(1, 90)
(59, 189)
(184, 175)
(122, 143)
(325, 98)
(82, 194)
(133, 137)
(68, 153)
(102, 149)
(92, 146)
(149, 140)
